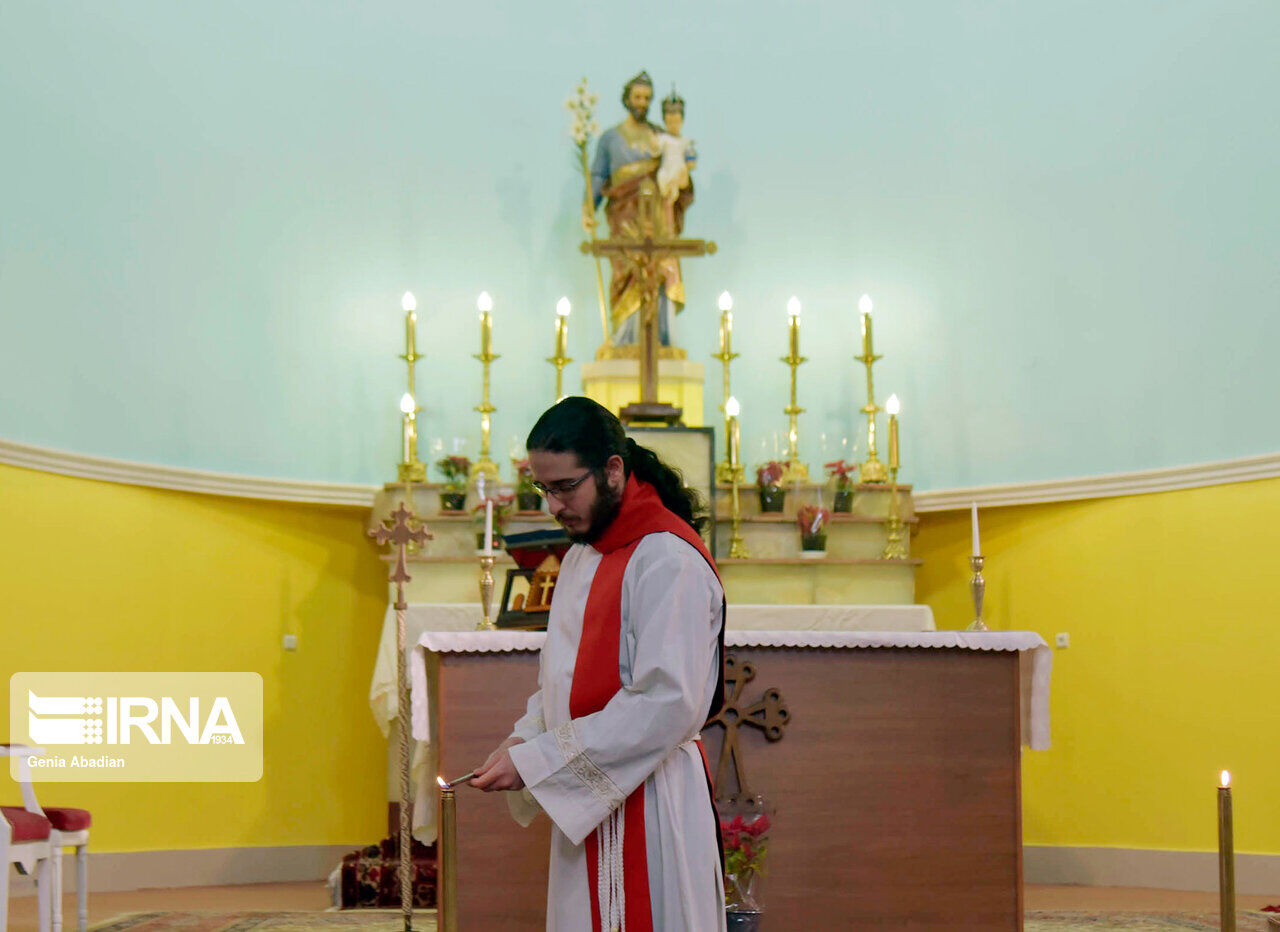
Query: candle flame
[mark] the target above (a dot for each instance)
(731, 407)
(864, 304)
(443, 784)
(484, 302)
(793, 307)
(407, 404)
(409, 302)
(1226, 778)
(893, 405)
(726, 301)
(563, 307)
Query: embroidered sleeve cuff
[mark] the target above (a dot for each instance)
(572, 790)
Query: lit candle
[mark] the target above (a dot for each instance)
(793, 312)
(973, 515)
(562, 327)
(410, 304)
(1226, 857)
(409, 430)
(447, 860)
(485, 304)
(893, 406)
(488, 527)
(732, 408)
(726, 324)
(864, 306)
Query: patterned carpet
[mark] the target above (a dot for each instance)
(381, 920)
(1064, 921)
(371, 920)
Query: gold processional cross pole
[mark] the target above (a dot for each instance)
(400, 535)
(643, 252)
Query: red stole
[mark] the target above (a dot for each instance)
(596, 678)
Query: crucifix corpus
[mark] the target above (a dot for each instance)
(644, 247)
(398, 532)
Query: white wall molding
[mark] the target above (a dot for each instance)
(1245, 469)
(1142, 867)
(185, 480)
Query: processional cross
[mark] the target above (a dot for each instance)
(643, 247)
(768, 713)
(399, 534)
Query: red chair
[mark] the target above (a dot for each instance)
(26, 841)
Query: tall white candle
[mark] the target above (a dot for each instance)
(973, 514)
(488, 527)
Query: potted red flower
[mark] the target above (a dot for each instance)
(746, 845)
(527, 497)
(813, 528)
(455, 469)
(843, 476)
(769, 486)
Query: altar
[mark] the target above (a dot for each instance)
(896, 786)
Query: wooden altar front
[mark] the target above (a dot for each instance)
(896, 787)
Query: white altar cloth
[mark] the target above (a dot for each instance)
(423, 617)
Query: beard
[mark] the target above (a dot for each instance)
(603, 511)
(638, 113)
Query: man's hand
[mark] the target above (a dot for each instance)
(498, 772)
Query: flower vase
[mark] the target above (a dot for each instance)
(814, 544)
(843, 501)
(453, 501)
(772, 498)
(528, 501)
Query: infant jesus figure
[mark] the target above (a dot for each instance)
(678, 157)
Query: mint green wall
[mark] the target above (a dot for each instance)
(1067, 215)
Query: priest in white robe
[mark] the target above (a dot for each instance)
(631, 669)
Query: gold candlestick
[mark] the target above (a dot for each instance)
(895, 547)
(737, 546)
(977, 588)
(1226, 857)
(724, 469)
(872, 470)
(410, 468)
(484, 466)
(796, 471)
(447, 860)
(560, 360)
(486, 593)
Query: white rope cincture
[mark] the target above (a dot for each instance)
(610, 887)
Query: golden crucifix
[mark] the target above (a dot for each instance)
(644, 247)
(768, 713)
(399, 534)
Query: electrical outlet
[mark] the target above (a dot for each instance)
(1062, 640)
(290, 642)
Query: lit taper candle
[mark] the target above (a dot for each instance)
(562, 326)
(410, 305)
(731, 409)
(793, 314)
(864, 307)
(485, 304)
(409, 430)
(726, 323)
(893, 406)
(1226, 857)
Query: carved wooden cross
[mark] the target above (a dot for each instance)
(396, 531)
(643, 246)
(768, 713)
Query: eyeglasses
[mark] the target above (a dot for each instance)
(560, 490)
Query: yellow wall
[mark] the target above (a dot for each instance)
(1173, 672)
(99, 576)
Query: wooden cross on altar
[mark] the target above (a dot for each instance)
(397, 531)
(768, 713)
(644, 248)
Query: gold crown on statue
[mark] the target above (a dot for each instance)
(673, 101)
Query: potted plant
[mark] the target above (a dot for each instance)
(455, 469)
(843, 475)
(813, 528)
(746, 844)
(527, 497)
(769, 486)
(501, 509)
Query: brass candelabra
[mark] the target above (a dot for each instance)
(977, 589)
(737, 546)
(486, 593)
(872, 470)
(724, 469)
(560, 360)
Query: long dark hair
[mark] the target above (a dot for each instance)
(589, 430)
